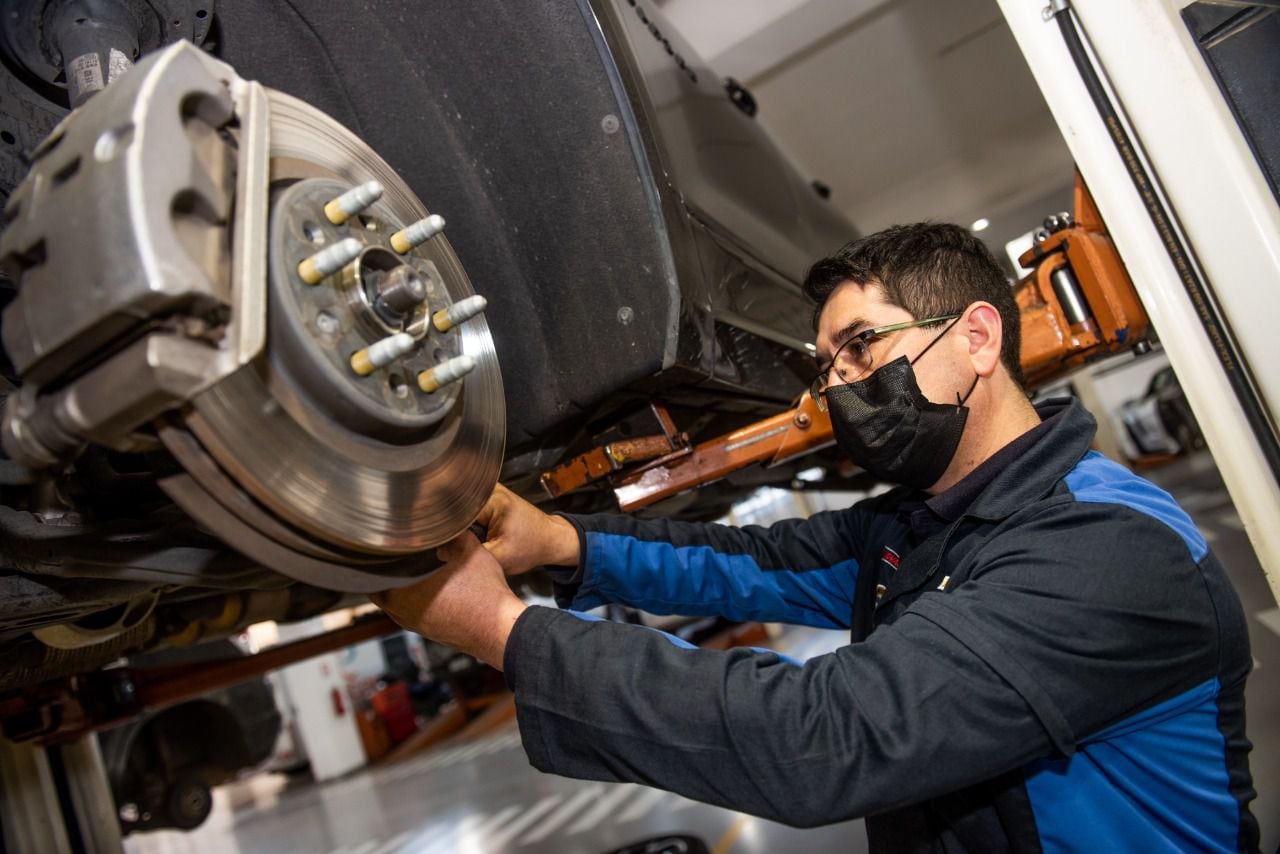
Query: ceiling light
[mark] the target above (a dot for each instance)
(980, 223)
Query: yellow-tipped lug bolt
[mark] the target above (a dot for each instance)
(381, 353)
(350, 203)
(420, 232)
(445, 373)
(313, 270)
(460, 312)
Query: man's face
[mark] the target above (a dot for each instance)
(852, 308)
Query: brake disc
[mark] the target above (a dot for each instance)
(340, 479)
(283, 428)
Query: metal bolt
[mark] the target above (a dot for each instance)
(420, 232)
(460, 312)
(610, 123)
(380, 353)
(1057, 222)
(352, 202)
(803, 420)
(1055, 8)
(313, 270)
(626, 315)
(327, 323)
(400, 292)
(445, 373)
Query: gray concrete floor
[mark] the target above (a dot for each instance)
(482, 796)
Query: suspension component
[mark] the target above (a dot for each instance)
(226, 280)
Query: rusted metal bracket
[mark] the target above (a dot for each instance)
(605, 460)
(774, 440)
(65, 709)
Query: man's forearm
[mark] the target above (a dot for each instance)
(710, 570)
(869, 727)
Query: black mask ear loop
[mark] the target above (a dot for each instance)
(959, 400)
(936, 339)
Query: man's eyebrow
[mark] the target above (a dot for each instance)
(842, 336)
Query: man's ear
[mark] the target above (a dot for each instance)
(983, 327)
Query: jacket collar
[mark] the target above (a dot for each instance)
(1068, 433)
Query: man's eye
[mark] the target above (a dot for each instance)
(858, 348)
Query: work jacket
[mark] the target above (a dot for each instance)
(1045, 657)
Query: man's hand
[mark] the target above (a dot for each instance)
(465, 604)
(522, 537)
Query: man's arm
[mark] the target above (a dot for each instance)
(903, 717)
(800, 571)
(908, 714)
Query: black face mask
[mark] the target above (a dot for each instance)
(887, 426)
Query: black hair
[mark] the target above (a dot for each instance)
(929, 269)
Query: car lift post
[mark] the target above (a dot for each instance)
(56, 798)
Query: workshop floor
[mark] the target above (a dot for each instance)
(481, 797)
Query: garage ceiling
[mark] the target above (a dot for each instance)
(908, 109)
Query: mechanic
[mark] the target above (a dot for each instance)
(1045, 654)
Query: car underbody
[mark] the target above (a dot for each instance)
(188, 447)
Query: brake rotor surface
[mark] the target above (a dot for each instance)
(299, 458)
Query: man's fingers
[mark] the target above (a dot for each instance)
(494, 506)
(458, 548)
(500, 550)
(485, 519)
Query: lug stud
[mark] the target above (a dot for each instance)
(460, 312)
(350, 203)
(445, 373)
(313, 270)
(420, 232)
(381, 353)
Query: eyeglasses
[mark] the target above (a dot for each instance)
(853, 360)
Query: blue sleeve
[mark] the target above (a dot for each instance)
(797, 571)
